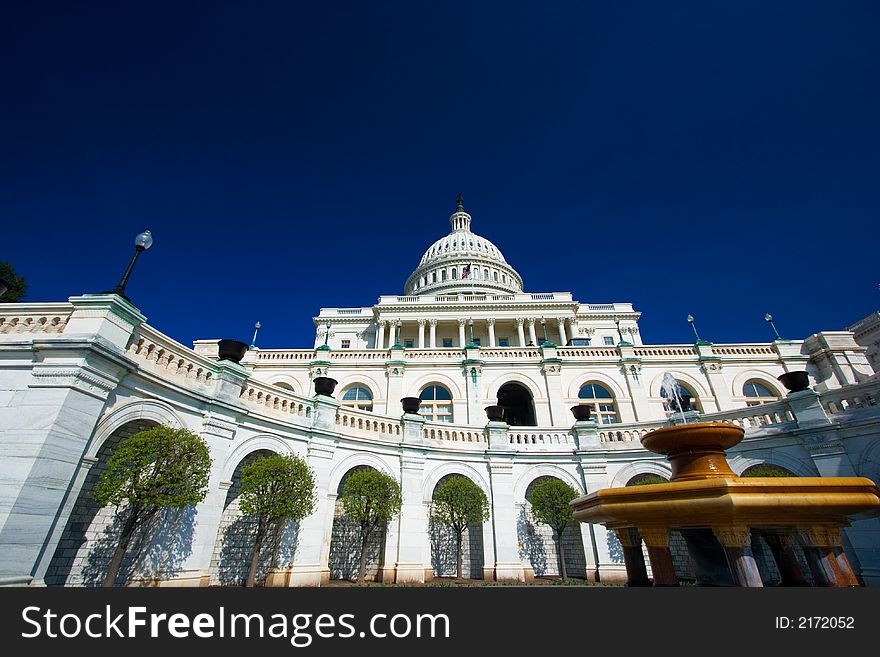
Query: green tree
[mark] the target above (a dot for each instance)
(458, 503)
(275, 489)
(370, 498)
(17, 284)
(551, 500)
(152, 470)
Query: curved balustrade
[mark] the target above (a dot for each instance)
(542, 437)
(168, 358)
(586, 352)
(277, 399)
(460, 435)
(761, 415)
(851, 398)
(744, 350)
(366, 423)
(34, 318)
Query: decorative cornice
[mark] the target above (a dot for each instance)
(89, 381)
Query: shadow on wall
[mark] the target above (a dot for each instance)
(345, 548)
(615, 549)
(156, 553)
(443, 557)
(532, 549)
(237, 546)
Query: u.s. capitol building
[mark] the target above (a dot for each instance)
(79, 376)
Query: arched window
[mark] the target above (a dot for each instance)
(283, 385)
(454, 273)
(767, 470)
(495, 276)
(602, 401)
(757, 393)
(358, 396)
(443, 275)
(696, 405)
(436, 403)
(433, 277)
(485, 274)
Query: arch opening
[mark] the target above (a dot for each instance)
(519, 406)
(345, 542)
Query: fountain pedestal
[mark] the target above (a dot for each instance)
(716, 511)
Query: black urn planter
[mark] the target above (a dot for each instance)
(581, 412)
(411, 405)
(324, 385)
(495, 413)
(233, 350)
(795, 381)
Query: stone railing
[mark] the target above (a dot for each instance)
(278, 400)
(851, 398)
(509, 353)
(587, 353)
(760, 415)
(31, 318)
(749, 350)
(477, 298)
(433, 354)
(625, 433)
(351, 354)
(541, 439)
(675, 351)
(285, 354)
(454, 435)
(367, 424)
(157, 353)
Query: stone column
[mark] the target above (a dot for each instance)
(736, 541)
(311, 563)
(461, 339)
(822, 550)
(521, 337)
(782, 545)
(631, 542)
(432, 325)
(394, 371)
(508, 565)
(532, 337)
(657, 541)
(491, 324)
(421, 334)
(551, 368)
(380, 334)
(562, 338)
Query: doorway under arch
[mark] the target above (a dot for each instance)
(519, 406)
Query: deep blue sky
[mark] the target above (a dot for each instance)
(718, 160)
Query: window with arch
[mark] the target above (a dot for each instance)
(495, 276)
(757, 393)
(454, 273)
(443, 275)
(433, 277)
(485, 274)
(696, 404)
(283, 385)
(436, 404)
(358, 396)
(603, 406)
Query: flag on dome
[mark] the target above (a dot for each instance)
(466, 271)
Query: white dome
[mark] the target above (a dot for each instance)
(463, 262)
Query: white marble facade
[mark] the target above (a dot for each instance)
(75, 377)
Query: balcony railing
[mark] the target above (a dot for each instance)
(33, 318)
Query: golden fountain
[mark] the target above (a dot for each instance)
(716, 512)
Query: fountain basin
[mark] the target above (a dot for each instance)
(695, 451)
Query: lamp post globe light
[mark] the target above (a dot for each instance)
(142, 242)
(769, 319)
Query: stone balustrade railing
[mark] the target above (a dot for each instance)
(628, 432)
(285, 354)
(33, 318)
(167, 358)
(587, 353)
(368, 424)
(851, 398)
(552, 438)
(747, 350)
(675, 351)
(278, 400)
(760, 415)
(455, 435)
(509, 353)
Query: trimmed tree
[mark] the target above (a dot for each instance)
(369, 498)
(275, 489)
(550, 501)
(458, 503)
(17, 284)
(152, 470)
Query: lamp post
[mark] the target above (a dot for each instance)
(769, 319)
(327, 333)
(141, 243)
(544, 328)
(397, 333)
(471, 325)
(690, 319)
(257, 327)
